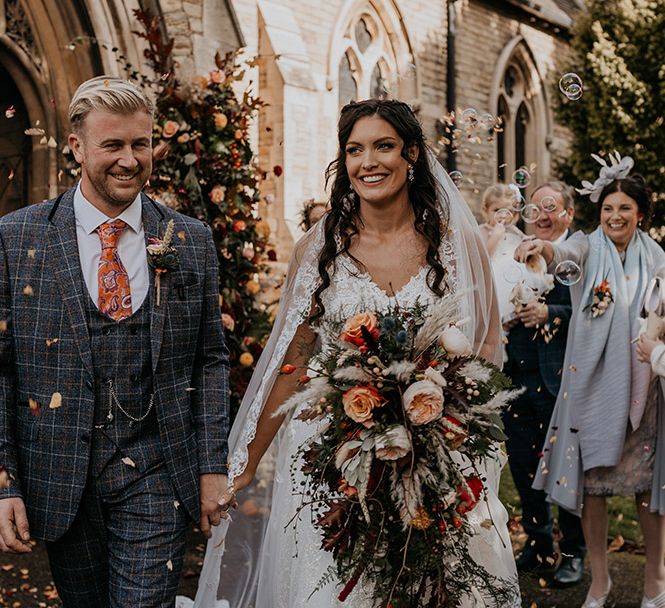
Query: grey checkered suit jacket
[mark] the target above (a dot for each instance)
(45, 348)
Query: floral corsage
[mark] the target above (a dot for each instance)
(162, 256)
(602, 297)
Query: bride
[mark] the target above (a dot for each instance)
(398, 231)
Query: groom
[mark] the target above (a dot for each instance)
(113, 369)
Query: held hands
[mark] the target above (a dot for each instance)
(14, 530)
(216, 499)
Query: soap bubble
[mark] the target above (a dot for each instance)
(530, 214)
(518, 201)
(522, 177)
(548, 204)
(456, 176)
(486, 121)
(514, 273)
(571, 86)
(503, 216)
(470, 116)
(567, 273)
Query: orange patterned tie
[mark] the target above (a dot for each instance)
(115, 298)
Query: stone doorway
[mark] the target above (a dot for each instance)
(15, 146)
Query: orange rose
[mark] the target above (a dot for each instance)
(220, 120)
(359, 402)
(352, 328)
(170, 128)
(246, 359)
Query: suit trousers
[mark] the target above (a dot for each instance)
(126, 545)
(526, 424)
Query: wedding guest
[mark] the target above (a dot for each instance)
(536, 347)
(602, 438)
(311, 213)
(498, 222)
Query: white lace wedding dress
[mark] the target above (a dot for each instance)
(293, 564)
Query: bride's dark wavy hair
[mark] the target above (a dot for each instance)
(431, 219)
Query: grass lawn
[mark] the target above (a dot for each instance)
(622, 511)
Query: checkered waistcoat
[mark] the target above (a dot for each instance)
(121, 360)
(45, 348)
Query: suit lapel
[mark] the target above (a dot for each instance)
(154, 226)
(64, 263)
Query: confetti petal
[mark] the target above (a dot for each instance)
(52, 341)
(56, 401)
(128, 461)
(34, 406)
(169, 566)
(31, 253)
(28, 291)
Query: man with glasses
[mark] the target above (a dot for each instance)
(536, 347)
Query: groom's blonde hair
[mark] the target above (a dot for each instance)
(108, 93)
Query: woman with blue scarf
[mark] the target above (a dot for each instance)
(603, 435)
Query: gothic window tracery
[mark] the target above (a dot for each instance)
(366, 67)
(516, 141)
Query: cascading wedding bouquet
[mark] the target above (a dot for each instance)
(407, 413)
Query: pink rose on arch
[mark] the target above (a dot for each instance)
(170, 128)
(217, 194)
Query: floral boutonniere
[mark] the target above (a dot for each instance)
(162, 256)
(602, 297)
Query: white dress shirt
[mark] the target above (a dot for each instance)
(131, 246)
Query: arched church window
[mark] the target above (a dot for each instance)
(378, 88)
(521, 129)
(515, 147)
(503, 116)
(348, 90)
(368, 65)
(363, 35)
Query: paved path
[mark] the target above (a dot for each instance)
(25, 581)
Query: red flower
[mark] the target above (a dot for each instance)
(469, 499)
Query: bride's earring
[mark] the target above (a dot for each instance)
(410, 174)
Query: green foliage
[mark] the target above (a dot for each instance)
(203, 167)
(620, 56)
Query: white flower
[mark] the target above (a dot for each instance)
(393, 443)
(455, 342)
(434, 375)
(347, 450)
